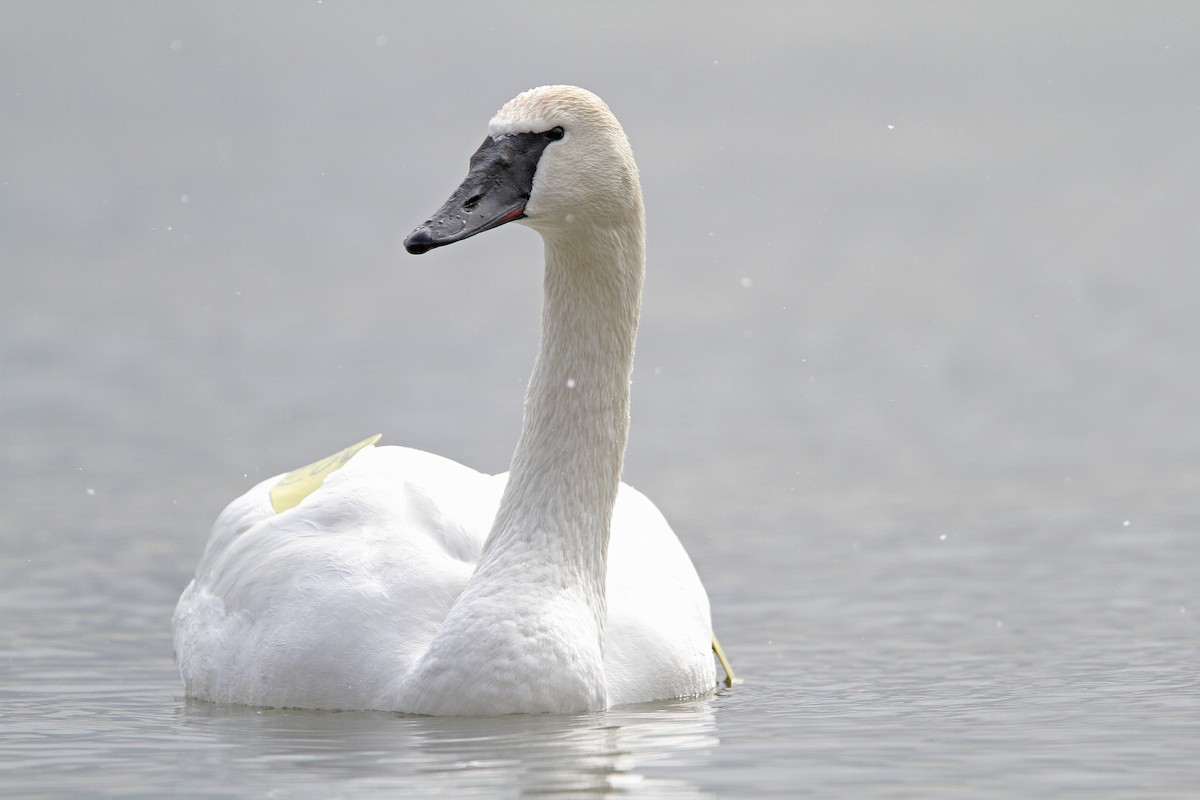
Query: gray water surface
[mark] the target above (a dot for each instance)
(917, 377)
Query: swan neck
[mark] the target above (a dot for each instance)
(567, 466)
(536, 604)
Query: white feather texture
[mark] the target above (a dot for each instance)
(408, 582)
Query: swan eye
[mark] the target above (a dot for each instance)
(556, 133)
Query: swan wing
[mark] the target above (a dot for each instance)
(331, 603)
(658, 642)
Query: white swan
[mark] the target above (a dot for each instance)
(408, 582)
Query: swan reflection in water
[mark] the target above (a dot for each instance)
(547, 755)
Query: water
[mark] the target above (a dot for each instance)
(916, 379)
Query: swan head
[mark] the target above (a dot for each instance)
(555, 159)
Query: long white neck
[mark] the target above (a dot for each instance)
(565, 471)
(534, 611)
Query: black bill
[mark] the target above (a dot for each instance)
(495, 191)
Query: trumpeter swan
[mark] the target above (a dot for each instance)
(409, 582)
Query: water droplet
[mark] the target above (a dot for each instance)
(570, 383)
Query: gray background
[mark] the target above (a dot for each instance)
(916, 381)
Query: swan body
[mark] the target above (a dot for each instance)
(408, 582)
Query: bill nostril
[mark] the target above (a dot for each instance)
(471, 202)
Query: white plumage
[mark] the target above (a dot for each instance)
(409, 582)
